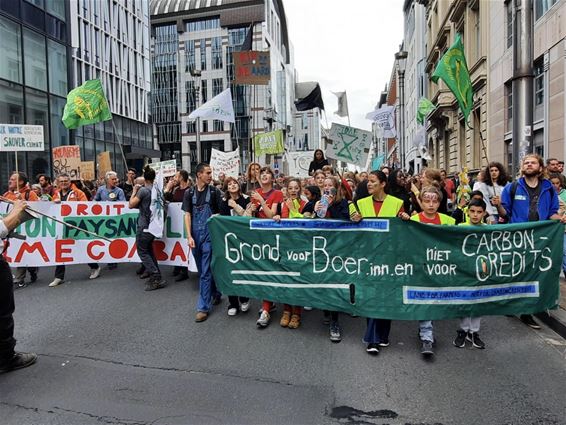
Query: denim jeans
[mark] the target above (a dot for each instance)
(470, 324)
(426, 330)
(377, 331)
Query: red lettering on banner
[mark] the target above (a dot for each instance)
(118, 248)
(92, 245)
(133, 251)
(66, 210)
(81, 209)
(178, 251)
(36, 246)
(159, 250)
(60, 250)
(119, 208)
(96, 209)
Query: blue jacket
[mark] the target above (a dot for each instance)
(518, 208)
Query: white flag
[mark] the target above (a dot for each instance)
(157, 207)
(342, 104)
(218, 108)
(385, 118)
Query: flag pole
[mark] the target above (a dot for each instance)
(120, 144)
(482, 141)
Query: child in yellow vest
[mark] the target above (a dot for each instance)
(430, 199)
(470, 326)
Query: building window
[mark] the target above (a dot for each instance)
(10, 46)
(205, 126)
(204, 92)
(35, 61)
(538, 142)
(216, 52)
(56, 8)
(542, 6)
(57, 57)
(190, 96)
(59, 133)
(539, 90)
(203, 55)
(191, 127)
(217, 86)
(190, 56)
(508, 107)
(218, 125)
(203, 24)
(509, 26)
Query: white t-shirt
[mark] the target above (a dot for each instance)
(489, 192)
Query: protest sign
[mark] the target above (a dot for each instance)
(298, 163)
(252, 68)
(384, 117)
(269, 143)
(169, 167)
(67, 159)
(87, 170)
(14, 138)
(50, 243)
(349, 144)
(389, 268)
(225, 162)
(104, 164)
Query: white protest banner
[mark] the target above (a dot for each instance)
(169, 167)
(348, 144)
(385, 118)
(225, 162)
(14, 138)
(49, 243)
(298, 163)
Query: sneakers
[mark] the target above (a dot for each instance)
(383, 344)
(94, 273)
(155, 283)
(528, 320)
(335, 334)
(18, 361)
(56, 282)
(144, 275)
(460, 340)
(201, 316)
(295, 321)
(232, 311)
(285, 319)
(264, 319)
(474, 338)
(372, 349)
(245, 307)
(426, 349)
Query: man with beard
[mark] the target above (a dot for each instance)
(47, 188)
(530, 198)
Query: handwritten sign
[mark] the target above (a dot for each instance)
(366, 269)
(225, 162)
(252, 68)
(349, 144)
(269, 143)
(169, 167)
(298, 163)
(14, 138)
(104, 163)
(67, 159)
(87, 170)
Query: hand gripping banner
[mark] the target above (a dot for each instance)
(387, 268)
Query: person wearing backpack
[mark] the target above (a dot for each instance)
(530, 198)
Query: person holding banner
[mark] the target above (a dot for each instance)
(18, 190)
(10, 359)
(234, 203)
(68, 192)
(430, 201)
(141, 199)
(378, 204)
(337, 208)
(199, 204)
(266, 199)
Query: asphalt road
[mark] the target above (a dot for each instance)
(111, 353)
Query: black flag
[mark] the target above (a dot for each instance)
(247, 44)
(308, 96)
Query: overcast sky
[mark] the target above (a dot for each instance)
(346, 45)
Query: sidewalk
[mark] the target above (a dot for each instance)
(556, 319)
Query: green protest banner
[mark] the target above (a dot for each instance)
(269, 143)
(389, 268)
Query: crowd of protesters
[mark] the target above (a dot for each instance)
(430, 197)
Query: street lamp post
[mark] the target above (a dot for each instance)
(197, 73)
(401, 58)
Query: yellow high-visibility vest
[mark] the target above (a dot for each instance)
(444, 219)
(390, 208)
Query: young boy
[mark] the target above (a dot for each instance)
(470, 326)
(430, 199)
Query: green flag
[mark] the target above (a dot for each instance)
(86, 104)
(453, 70)
(425, 107)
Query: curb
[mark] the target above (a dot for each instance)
(556, 320)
